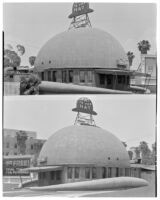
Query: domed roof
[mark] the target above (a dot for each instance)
(83, 47)
(84, 145)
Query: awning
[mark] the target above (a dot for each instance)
(146, 167)
(113, 71)
(42, 168)
(121, 72)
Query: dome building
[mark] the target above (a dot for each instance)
(84, 56)
(82, 152)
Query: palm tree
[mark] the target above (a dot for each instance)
(32, 60)
(144, 46)
(21, 141)
(130, 56)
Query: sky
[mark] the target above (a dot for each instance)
(129, 117)
(32, 24)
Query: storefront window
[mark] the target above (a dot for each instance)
(87, 172)
(76, 172)
(54, 76)
(109, 172)
(70, 76)
(103, 172)
(69, 173)
(58, 175)
(102, 79)
(52, 175)
(89, 76)
(82, 76)
(49, 76)
(42, 76)
(94, 172)
(117, 172)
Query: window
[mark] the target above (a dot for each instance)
(54, 76)
(119, 79)
(82, 76)
(127, 80)
(102, 79)
(94, 172)
(15, 153)
(87, 172)
(109, 79)
(49, 76)
(70, 76)
(109, 158)
(15, 146)
(52, 175)
(89, 76)
(49, 61)
(42, 76)
(76, 172)
(150, 68)
(58, 175)
(31, 146)
(42, 63)
(64, 77)
(69, 173)
(43, 175)
(117, 172)
(109, 172)
(7, 153)
(7, 145)
(103, 172)
(127, 172)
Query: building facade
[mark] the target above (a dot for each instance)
(10, 143)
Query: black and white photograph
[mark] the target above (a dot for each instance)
(80, 146)
(79, 48)
(79, 99)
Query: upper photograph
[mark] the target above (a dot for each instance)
(79, 48)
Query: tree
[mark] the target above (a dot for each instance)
(154, 153)
(145, 153)
(11, 59)
(130, 56)
(29, 85)
(137, 152)
(124, 143)
(20, 49)
(144, 46)
(32, 60)
(130, 153)
(21, 141)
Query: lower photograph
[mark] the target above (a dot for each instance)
(79, 146)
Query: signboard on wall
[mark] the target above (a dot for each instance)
(13, 166)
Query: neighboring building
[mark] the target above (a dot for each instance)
(82, 152)
(149, 66)
(85, 56)
(10, 145)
